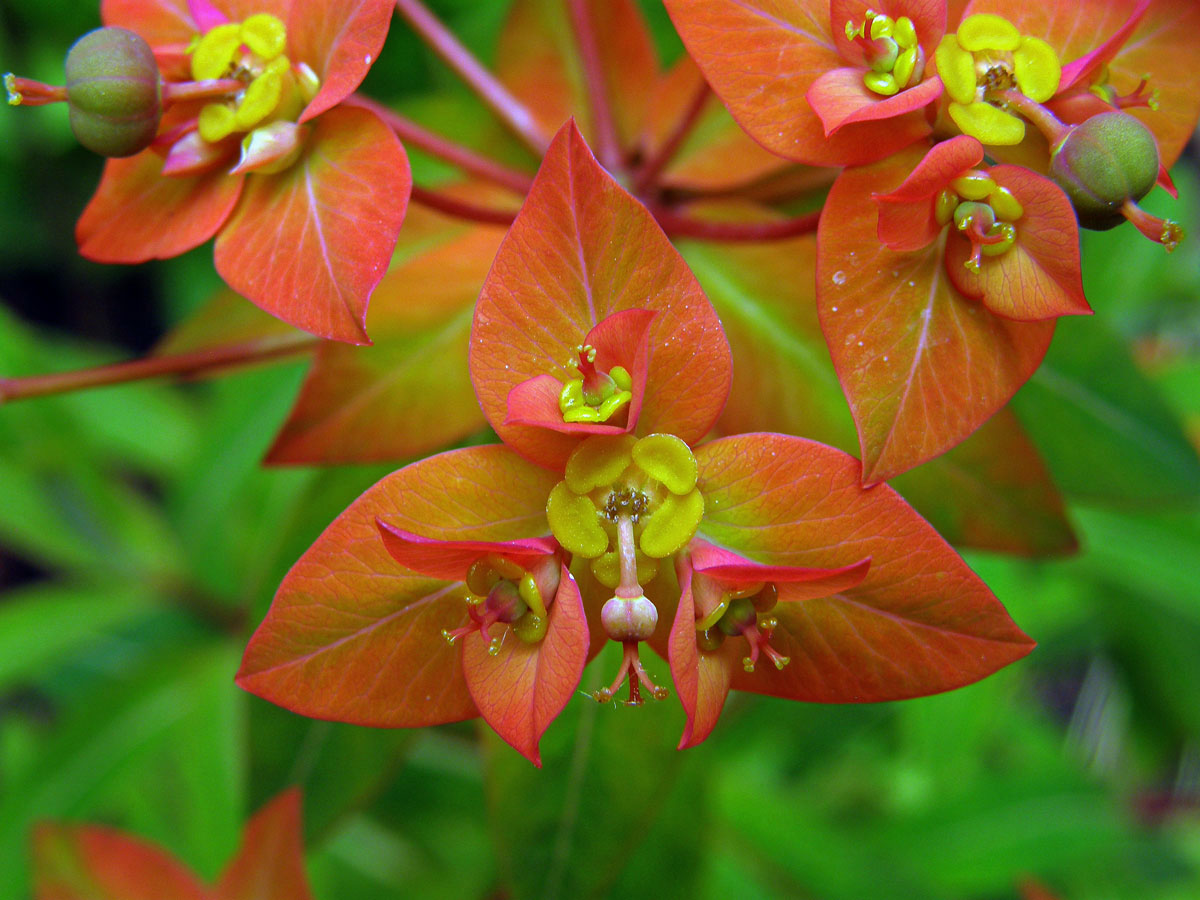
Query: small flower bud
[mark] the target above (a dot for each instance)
(1106, 160)
(114, 92)
(629, 618)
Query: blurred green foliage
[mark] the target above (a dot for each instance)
(140, 542)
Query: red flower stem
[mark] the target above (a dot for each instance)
(175, 91)
(461, 209)
(605, 141)
(436, 145)
(627, 548)
(206, 361)
(1047, 123)
(676, 225)
(27, 92)
(653, 166)
(790, 185)
(511, 111)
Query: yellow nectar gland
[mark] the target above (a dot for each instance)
(252, 52)
(594, 397)
(983, 211)
(986, 57)
(897, 61)
(649, 482)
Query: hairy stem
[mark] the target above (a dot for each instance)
(209, 361)
(511, 111)
(445, 149)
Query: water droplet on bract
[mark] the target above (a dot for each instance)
(839, 277)
(858, 312)
(367, 59)
(885, 359)
(912, 284)
(834, 308)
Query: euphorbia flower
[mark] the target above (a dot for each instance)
(1005, 66)
(985, 57)
(85, 862)
(926, 348)
(1011, 239)
(854, 76)
(1136, 55)
(521, 584)
(306, 197)
(352, 636)
(722, 596)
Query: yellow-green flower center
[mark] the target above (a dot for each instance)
(896, 60)
(985, 58)
(251, 51)
(651, 482)
(594, 397)
(983, 211)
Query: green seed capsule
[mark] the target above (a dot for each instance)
(1106, 160)
(114, 92)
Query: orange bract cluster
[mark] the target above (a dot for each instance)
(753, 551)
(304, 196)
(936, 302)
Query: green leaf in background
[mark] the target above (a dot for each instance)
(342, 769)
(609, 802)
(106, 736)
(1105, 430)
(46, 622)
